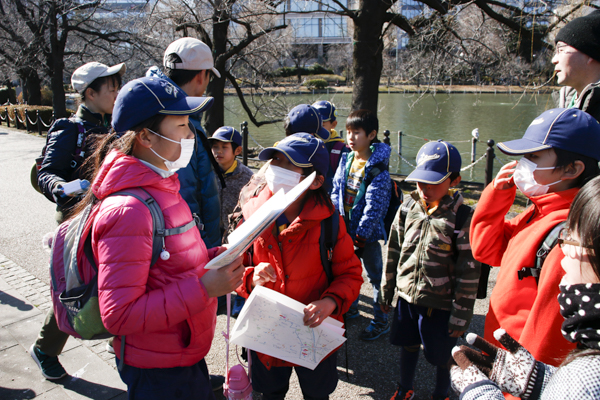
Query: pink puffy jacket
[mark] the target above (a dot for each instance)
(163, 311)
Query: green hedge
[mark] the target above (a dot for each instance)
(318, 84)
(45, 115)
(295, 71)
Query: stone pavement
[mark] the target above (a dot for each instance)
(24, 301)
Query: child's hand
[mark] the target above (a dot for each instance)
(263, 273)
(316, 312)
(504, 179)
(219, 282)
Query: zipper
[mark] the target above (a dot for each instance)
(424, 230)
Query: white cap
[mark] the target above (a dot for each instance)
(87, 73)
(195, 55)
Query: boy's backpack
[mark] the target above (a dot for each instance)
(75, 299)
(78, 156)
(396, 197)
(462, 214)
(330, 227)
(547, 245)
(335, 150)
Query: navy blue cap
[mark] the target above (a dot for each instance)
(303, 150)
(435, 162)
(227, 134)
(326, 110)
(304, 118)
(143, 98)
(567, 129)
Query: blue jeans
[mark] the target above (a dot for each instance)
(372, 261)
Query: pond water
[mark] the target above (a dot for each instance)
(451, 117)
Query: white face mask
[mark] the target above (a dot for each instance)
(187, 149)
(281, 178)
(525, 180)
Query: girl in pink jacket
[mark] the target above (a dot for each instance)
(167, 311)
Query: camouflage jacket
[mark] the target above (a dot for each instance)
(422, 266)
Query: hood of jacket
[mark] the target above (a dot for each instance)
(380, 154)
(120, 171)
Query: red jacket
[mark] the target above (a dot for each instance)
(164, 311)
(528, 311)
(300, 274)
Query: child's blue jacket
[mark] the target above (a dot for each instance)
(372, 201)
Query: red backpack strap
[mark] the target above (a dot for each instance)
(79, 155)
(335, 153)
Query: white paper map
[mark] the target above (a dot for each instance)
(272, 323)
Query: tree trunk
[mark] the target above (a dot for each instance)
(55, 62)
(32, 91)
(215, 117)
(367, 54)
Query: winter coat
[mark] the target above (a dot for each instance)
(199, 179)
(578, 380)
(164, 312)
(58, 166)
(589, 101)
(295, 255)
(420, 261)
(371, 202)
(528, 310)
(229, 195)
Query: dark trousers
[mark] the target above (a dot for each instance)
(274, 383)
(51, 340)
(167, 383)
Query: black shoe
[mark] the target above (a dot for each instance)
(50, 366)
(216, 382)
(374, 330)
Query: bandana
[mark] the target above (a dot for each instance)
(580, 307)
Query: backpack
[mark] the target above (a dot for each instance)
(75, 301)
(78, 157)
(547, 245)
(335, 153)
(396, 197)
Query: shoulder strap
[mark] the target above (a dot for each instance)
(329, 231)
(547, 245)
(374, 171)
(335, 153)
(405, 207)
(79, 154)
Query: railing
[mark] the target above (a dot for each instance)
(27, 123)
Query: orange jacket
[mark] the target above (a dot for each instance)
(296, 257)
(528, 311)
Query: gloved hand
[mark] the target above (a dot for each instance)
(59, 195)
(359, 246)
(514, 370)
(464, 372)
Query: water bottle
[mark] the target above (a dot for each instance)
(76, 187)
(238, 385)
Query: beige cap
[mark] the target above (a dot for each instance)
(195, 55)
(87, 73)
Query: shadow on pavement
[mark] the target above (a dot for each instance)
(9, 300)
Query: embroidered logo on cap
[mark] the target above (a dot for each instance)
(423, 159)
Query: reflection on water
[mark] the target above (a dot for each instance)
(450, 117)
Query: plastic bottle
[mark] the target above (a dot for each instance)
(238, 385)
(76, 187)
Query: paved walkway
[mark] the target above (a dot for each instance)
(24, 300)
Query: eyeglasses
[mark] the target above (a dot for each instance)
(564, 237)
(563, 49)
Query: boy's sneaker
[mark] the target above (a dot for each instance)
(50, 366)
(403, 394)
(374, 330)
(352, 313)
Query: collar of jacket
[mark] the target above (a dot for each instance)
(549, 202)
(85, 114)
(447, 202)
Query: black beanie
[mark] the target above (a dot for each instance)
(583, 33)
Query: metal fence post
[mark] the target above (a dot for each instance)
(400, 142)
(386, 138)
(7, 117)
(39, 122)
(17, 122)
(26, 121)
(244, 128)
(473, 149)
(489, 162)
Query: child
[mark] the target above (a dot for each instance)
(579, 375)
(431, 266)
(226, 144)
(287, 258)
(168, 311)
(362, 198)
(304, 118)
(335, 144)
(560, 150)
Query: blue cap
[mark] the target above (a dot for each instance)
(303, 150)
(143, 98)
(326, 110)
(227, 134)
(435, 162)
(304, 118)
(567, 129)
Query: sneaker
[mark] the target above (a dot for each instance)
(238, 304)
(109, 346)
(50, 366)
(352, 313)
(403, 394)
(216, 382)
(374, 330)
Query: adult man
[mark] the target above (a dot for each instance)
(577, 64)
(188, 64)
